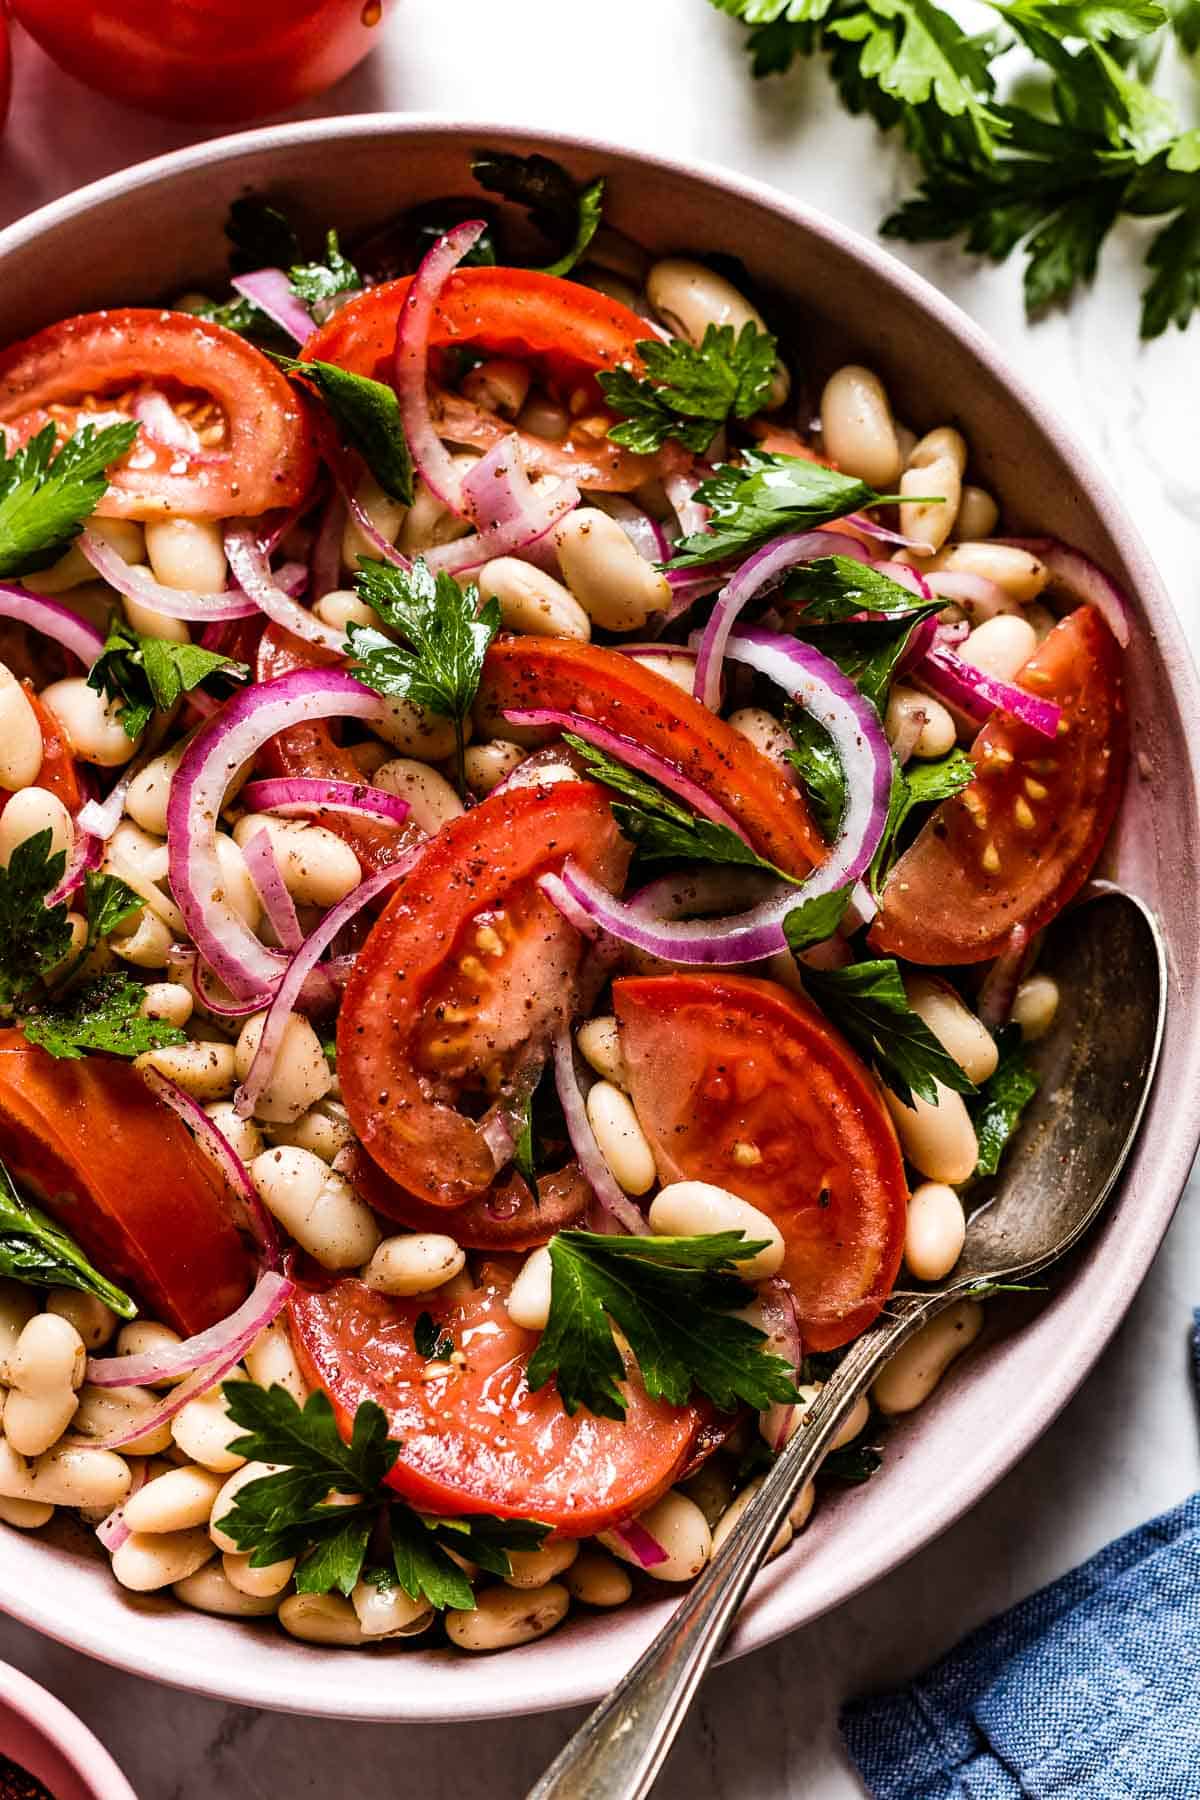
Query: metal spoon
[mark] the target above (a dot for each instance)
(1096, 1066)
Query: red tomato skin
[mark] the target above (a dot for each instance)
(1045, 807)
(716, 1061)
(270, 459)
(59, 773)
(507, 1217)
(400, 1014)
(478, 1440)
(117, 1169)
(210, 59)
(620, 692)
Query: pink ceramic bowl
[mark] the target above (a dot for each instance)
(158, 229)
(41, 1736)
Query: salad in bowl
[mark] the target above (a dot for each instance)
(527, 815)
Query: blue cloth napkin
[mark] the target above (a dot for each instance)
(1088, 1690)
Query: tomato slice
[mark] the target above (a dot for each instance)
(738, 1082)
(572, 332)
(475, 1439)
(59, 772)
(620, 692)
(510, 1216)
(312, 750)
(118, 1170)
(263, 457)
(1013, 848)
(462, 981)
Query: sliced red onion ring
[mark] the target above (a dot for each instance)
(155, 412)
(689, 585)
(511, 517)
(496, 1133)
(263, 866)
(297, 796)
(872, 528)
(53, 621)
(212, 1142)
(305, 960)
(251, 570)
(782, 1326)
(87, 853)
(272, 293)
(325, 556)
(644, 533)
(904, 577)
(821, 688)
(999, 987)
(113, 1531)
(680, 490)
(583, 1140)
(641, 1545)
(222, 1005)
(634, 755)
(137, 583)
(433, 461)
(245, 723)
(1081, 579)
(756, 574)
(255, 1313)
(979, 695)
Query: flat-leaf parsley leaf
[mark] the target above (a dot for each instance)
(45, 497)
(690, 390)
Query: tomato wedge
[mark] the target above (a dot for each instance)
(59, 772)
(312, 750)
(621, 693)
(263, 457)
(510, 1216)
(476, 1439)
(462, 981)
(117, 1169)
(738, 1082)
(572, 332)
(1013, 848)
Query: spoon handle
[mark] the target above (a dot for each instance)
(617, 1752)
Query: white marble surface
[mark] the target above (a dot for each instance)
(668, 75)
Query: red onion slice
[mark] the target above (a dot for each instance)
(137, 583)
(979, 695)
(155, 412)
(431, 457)
(272, 293)
(635, 755)
(904, 577)
(296, 796)
(757, 573)
(212, 1142)
(680, 490)
(250, 568)
(263, 866)
(87, 853)
(782, 1325)
(241, 1328)
(499, 496)
(999, 987)
(245, 723)
(53, 621)
(325, 556)
(596, 1171)
(641, 1544)
(113, 1531)
(305, 960)
(1081, 579)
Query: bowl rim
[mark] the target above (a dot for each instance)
(65, 1732)
(584, 1678)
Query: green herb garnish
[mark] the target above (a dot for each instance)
(45, 495)
(143, 674)
(102, 1014)
(689, 391)
(565, 211)
(33, 1249)
(868, 1004)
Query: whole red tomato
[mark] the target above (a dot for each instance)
(207, 59)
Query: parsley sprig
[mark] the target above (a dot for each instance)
(328, 1503)
(689, 391)
(765, 495)
(674, 1299)
(367, 413)
(1002, 1099)
(101, 1014)
(868, 1004)
(35, 939)
(145, 674)
(566, 212)
(919, 784)
(46, 496)
(36, 1251)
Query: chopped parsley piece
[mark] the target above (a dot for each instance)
(45, 497)
(919, 784)
(148, 673)
(834, 589)
(367, 413)
(1002, 1099)
(688, 392)
(566, 212)
(34, 937)
(867, 1003)
(812, 921)
(675, 1300)
(815, 759)
(431, 1341)
(317, 283)
(102, 1014)
(764, 496)
(260, 236)
(34, 1250)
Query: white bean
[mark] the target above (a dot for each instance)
(168, 1000)
(432, 801)
(680, 671)
(599, 1043)
(1021, 575)
(341, 608)
(933, 477)
(857, 427)
(622, 1142)
(369, 756)
(146, 1337)
(271, 1362)
(150, 790)
(730, 1517)
(711, 1487)
(613, 583)
(693, 1208)
(384, 1612)
(87, 1313)
(766, 734)
(264, 1583)
(44, 1372)
(533, 1568)
(18, 1304)
(428, 523)
(689, 297)
(180, 1500)
(210, 1590)
(205, 1071)
(29, 811)
(26, 1515)
(937, 733)
(532, 601)
(503, 1617)
(415, 731)
(223, 1504)
(242, 1135)
(187, 553)
(318, 1207)
(1000, 646)
(680, 1528)
(145, 1563)
(145, 941)
(103, 1411)
(528, 1299)
(917, 1367)
(325, 1130)
(300, 1075)
(321, 1619)
(487, 765)
(500, 384)
(386, 514)
(938, 1140)
(1035, 1006)
(596, 1580)
(68, 1475)
(204, 1431)
(542, 417)
(933, 1238)
(977, 513)
(90, 722)
(413, 1264)
(317, 867)
(237, 883)
(956, 1028)
(20, 735)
